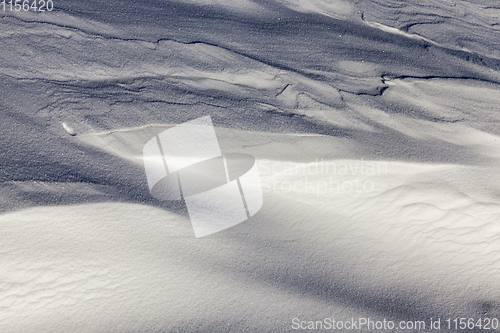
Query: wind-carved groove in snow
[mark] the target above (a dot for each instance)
(469, 55)
(456, 25)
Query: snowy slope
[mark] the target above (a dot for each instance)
(374, 125)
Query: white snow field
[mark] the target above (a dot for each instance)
(375, 126)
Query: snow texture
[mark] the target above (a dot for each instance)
(375, 126)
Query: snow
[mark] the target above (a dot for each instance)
(374, 127)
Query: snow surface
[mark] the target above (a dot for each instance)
(374, 124)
